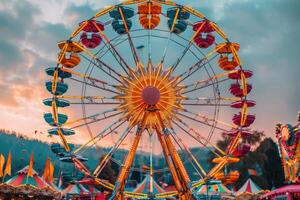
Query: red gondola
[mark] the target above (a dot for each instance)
(90, 26)
(204, 41)
(90, 41)
(237, 75)
(237, 120)
(236, 90)
(240, 104)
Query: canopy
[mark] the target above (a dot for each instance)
(144, 186)
(285, 190)
(32, 185)
(75, 188)
(22, 179)
(215, 188)
(249, 187)
(90, 184)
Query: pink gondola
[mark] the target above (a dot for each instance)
(90, 40)
(241, 150)
(237, 75)
(90, 26)
(237, 120)
(240, 104)
(236, 90)
(203, 41)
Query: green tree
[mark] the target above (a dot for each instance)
(264, 159)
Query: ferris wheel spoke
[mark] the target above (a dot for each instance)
(95, 85)
(204, 104)
(197, 137)
(198, 116)
(106, 159)
(194, 68)
(206, 81)
(125, 170)
(201, 122)
(189, 154)
(114, 51)
(169, 37)
(135, 56)
(94, 118)
(93, 141)
(93, 100)
(109, 70)
(91, 79)
(202, 85)
(205, 101)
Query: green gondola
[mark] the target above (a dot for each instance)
(62, 118)
(59, 102)
(61, 87)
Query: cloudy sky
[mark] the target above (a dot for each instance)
(267, 31)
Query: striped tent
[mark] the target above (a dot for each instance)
(22, 179)
(75, 188)
(145, 185)
(249, 187)
(29, 185)
(215, 188)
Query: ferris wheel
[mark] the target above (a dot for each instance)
(184, 91)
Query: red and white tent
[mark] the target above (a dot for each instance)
(249, 187)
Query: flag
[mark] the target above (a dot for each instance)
(252, 172)
(46, 170)
(2, 161)
(51, 171)
(60, 181)
(7, 170)
(30, 168)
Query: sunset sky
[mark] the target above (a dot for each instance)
(267, 31)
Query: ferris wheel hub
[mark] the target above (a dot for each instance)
(151, 95)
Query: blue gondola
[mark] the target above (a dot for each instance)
(127, 12)
(180, 23)
(62, 118)
(61, 87)
(59, 102)
(171, 13)
(179, 27)
(68, 158)
(119, 27)
(64, 131)
(62, 74)
(59, 150)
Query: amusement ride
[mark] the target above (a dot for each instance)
(176, 96)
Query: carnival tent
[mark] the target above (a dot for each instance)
(25, 184)
(287, 191)
(145, 185)
(249, 187)
(215, 191)
(90, 184)
(215, 188)
(75, 188)
(22, 178)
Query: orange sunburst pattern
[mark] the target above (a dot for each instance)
(149, 90)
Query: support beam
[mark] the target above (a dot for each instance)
(118, 192)
(182, 175)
